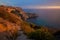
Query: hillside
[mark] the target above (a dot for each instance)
(11, 20)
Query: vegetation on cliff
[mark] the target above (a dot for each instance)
(12, 20)
(41, 35)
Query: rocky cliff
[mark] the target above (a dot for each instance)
(12, 20)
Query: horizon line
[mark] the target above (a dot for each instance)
(41, 7)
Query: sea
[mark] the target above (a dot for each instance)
(46, 17)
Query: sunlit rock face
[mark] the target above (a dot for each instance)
(7, 29)
(10, 22)
(6, 25)
(15, 10)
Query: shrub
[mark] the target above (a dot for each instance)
(40, 35)
(12, 34)
(34, 26)
(57, 35)
(26, 28)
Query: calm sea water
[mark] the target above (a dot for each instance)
(46, 17)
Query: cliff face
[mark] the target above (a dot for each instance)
(11, 20)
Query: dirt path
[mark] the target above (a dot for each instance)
(22, 36)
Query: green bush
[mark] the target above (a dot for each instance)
(40, 35)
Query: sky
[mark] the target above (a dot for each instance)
(32, 3)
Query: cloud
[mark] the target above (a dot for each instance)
(6, 2)
(2, 3)
(30, 3)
